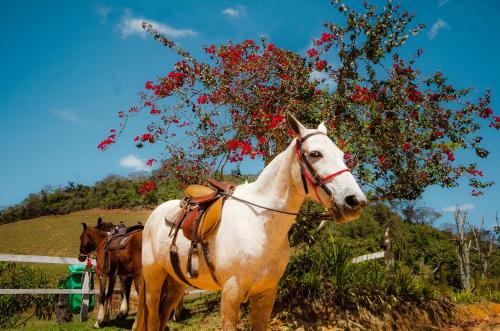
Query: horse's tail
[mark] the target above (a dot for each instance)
(141, 318)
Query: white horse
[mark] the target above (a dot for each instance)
(250, 248)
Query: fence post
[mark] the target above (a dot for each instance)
(87, 275)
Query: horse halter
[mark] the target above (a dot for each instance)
(307, 171)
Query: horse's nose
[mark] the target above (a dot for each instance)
(354, 202)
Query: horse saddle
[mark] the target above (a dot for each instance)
(119, 238)
(202, 209)
(200, 215)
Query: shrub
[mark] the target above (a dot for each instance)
(13, 307)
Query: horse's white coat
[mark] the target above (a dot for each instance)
(250, 249)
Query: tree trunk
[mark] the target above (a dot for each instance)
(389, 254)
(463, 246)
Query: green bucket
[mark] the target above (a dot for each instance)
(75, 281)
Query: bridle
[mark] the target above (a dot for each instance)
(309, 174)
(91, 254)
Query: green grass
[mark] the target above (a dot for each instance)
(201, 312)
(58, 235)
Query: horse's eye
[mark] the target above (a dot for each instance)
(315, 154)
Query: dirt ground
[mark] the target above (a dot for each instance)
(477, 317)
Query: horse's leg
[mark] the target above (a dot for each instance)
(109, 296)
(261, 307)
(232, 296)
(102, 298)
(173, 293)
(176, 316)
(126, 284)
(154, 277)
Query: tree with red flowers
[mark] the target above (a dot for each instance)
(400, 128)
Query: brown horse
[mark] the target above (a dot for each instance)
(124, 262)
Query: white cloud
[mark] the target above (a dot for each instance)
(233, 12)
(465, 206)
(132, 161)
(133, 26)
(436, 27)
(441, 3)
(69, 117)
(323, 79)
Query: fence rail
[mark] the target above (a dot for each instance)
(41, 259)
(85, 291)
(367, 257)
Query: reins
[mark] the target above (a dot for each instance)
(260, 206)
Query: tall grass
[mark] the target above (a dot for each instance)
(325, 273)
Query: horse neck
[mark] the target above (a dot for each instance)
(96, 236)
(275, 188)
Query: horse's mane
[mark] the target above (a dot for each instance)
(105, 226)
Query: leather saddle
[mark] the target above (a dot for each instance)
(202, 209)
(119, 237)
(200, 215)
(117, 240)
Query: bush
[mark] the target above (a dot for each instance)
(13, 307)
(326, 274)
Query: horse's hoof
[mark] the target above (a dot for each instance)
(121, 315)
(97, 325)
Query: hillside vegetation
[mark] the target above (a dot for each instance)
(113, 192)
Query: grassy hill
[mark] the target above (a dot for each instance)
(59, 235)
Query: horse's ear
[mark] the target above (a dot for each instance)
(295, 125)
(84, 225)
(322, 127)
(99, 221)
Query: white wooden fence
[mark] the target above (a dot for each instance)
(367, 257)
(85, 291)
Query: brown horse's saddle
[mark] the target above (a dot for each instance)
(119, 237)
(200, 215)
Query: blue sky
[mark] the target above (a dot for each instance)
(67, 68)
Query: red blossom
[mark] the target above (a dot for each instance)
(327, 37)
(150, 162)
(202, 99)
(320, 65)
(312, 52)
(149, 85)
(485, 113)
(210, 50)
(104, 144)
(148, 137)
(275, 121)
(147, 187)
(406, 146)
